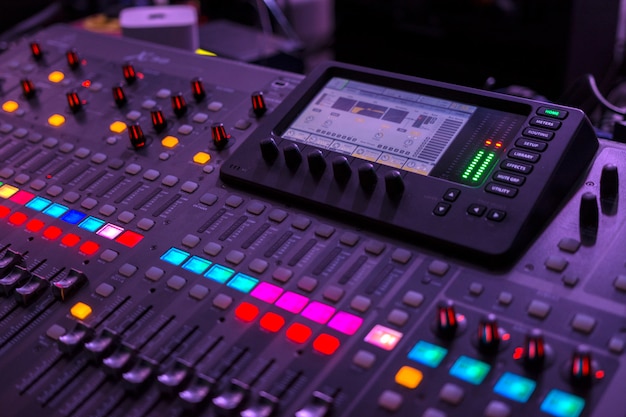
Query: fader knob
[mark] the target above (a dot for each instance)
(269, 150)
(293, 156)
(394, 185)
(534, 356)
(341, 170)
(317, 163)
(179, 105)
(446, 324)
(197, 89)
(220, 137)
(581, 368)
(367, 177)
(488, 335)
(258, 103)
(588, 217)
(609, 186)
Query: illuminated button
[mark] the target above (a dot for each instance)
(22, 197)
(52, 232)
(383, 337)
(80, 310)
(246, 312)
(174, 256)
(34, 225)
(55, 210)
(318, 312)
(409, 377)
(201, 158)
(10, 106)
(326, 344)
(427, 354)
(6, 191)
(196, 265)
(38, 203)
(56, 120)
(470, 370)
(243, 282)
(129, 238)
(18, 218)
(266, 292)
(73, 216)
(219, 273)
(345, 323)
(89, 247)
(561, 404)
(298, 333)
(56, 77)
(91, 224)
(70, 240)
(272, 322)
(117, 126)
(110, 231)
(515, 387)
(4, 211)
(169, 141)
(292, 302)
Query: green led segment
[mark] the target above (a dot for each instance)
(478, 166)
(515, 387)
(561, 404)
(219, 273)
(91, 223)
(243, 282)
(470, 370)
(197, 265)
(427, 354)
(174, 256)
(38, 203)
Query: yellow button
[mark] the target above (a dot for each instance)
(117, 127)
(7, 191)
(409, 377)
(80, 310)
(56, 77)
(169, 141)
(56, 120)
(10, 106)
(201, 158)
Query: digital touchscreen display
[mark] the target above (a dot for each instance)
(405, 130)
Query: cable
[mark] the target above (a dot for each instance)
(598, 95)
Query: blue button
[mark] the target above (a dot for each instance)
(219, 273)
(73, 216)
(197, 265)
(91, 223)
(562, 404)
(38, 203)
(55, 210)
(243, 282)
(470, 370)
(427, 354)
(515, 387)
(174, 256)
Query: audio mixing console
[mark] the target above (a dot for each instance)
(191, 236)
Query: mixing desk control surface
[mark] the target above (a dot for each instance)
(192, 236)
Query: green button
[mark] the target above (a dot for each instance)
(561, 404)
(219, 273)
(243, 282)
(470, 370)
(515, 387)
(197, 265)
(91, 223)
(38, 203)
(174, 256)
(427, 354)
(55, 210)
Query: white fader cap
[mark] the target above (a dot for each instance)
(175, 25)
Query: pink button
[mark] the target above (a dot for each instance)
(345, 323)
(266, 292)
(292, 302)
(318, 312)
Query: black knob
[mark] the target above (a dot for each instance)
(258, 103)
(588, 218)
(446, 324)
(535, 351)
(36, 52)
(581, 367)
(317, 163)
(179, 105)
(232, 397)
(394, 185)
(488, 337)
(196, 393)
(119, 361)
(31, 290)
(71, 341)
(367, 177)
(341, 170)
(269, 150)
(74, 101)
(64, 287)
(174, 379)
(197, 89)
(158, 120)
(293, 156)
(102, 345)
(139, 375)
(136, 136)
(16, 278)
(219, 135)
(28, 88)
(119, 96)
(130, 75)
(73, 59)
(609, 188)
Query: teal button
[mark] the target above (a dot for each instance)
(91, 223)
(427, 354)
(55, 210)
(515, 387)
(470, 370)
(562, 404)
(197, 265)
(174, 256)
(243, 283)
(219, 273)
(38, 203)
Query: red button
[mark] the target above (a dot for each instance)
(272, 322)
(298, 333)
(52, 232)
(326, 344)
(4, 211)
(246, 312)
(34, 225)
(129, 238)
(89, 247)
(18, 218)
(70, 240)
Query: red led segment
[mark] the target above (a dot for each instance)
(299, 333)
(246, 312)
(70, 240)
(22, 197)
(18, 218)
(4, 211)
(89, 247)
(272, 322)
(52, 232)
(326, 344)
(35, 225)
(129, 238)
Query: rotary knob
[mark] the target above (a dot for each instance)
(488, 337)
(609, 188)
(341, 170)
(130, 75)
(74, 101)
(219, 135)
(269, 150)
(158, 120)
(588, 218)
(179, 105)
(446, 325)
(73, 60)
(394, 185)
(293, 156)
(367, 177)
(258, 104)
(535, 351)
(136, 136)
(197, 89)
(317, 163)
(581, 367)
